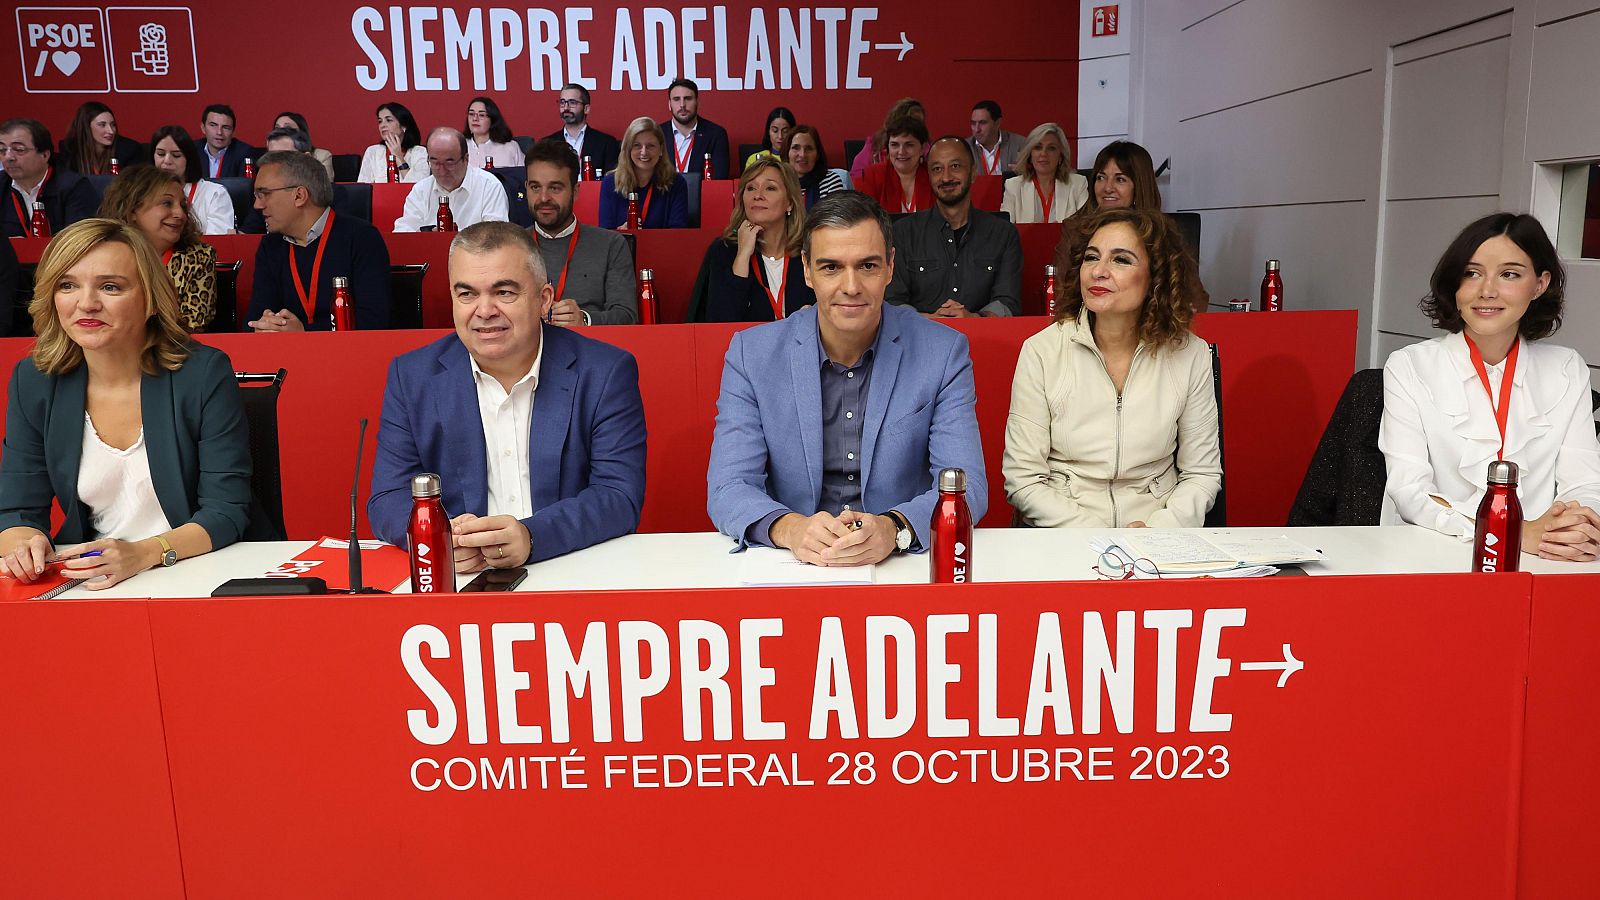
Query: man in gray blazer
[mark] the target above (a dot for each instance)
(833, 423)
(994, 149)
(591, 268)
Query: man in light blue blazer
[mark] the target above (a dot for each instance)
(538, 436)
(833, 423)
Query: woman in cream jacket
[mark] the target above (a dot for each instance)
(1047, 188)
(1498, 291)
(1113, 418)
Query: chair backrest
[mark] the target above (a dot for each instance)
(515, 181)
(346, 167)
(101, 184)
(16, 310)
(260, 390)
(851, 149)
(405, 295)
(353, 199)
(744, 153)
(1345, 480)
(227, 318)
(1217, 515)
(692, 180)
(1189, 227)
(525, 142)
(239, 192)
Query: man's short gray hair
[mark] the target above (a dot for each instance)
(301, 169)
(487, 237)
(846, 209)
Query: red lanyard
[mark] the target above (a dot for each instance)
(309, 301)
(25, 217)
(908, 204)
(561, 286)
(991, 161)
(644, 208)
(166, 258)
(682, 159)
(1045, 204)
(1502, 410)
(192, 189)
(776, 299)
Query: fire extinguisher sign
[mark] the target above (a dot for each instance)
(1105, 21)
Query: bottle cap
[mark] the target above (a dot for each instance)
(339, 281)
(1503, 472)
(1049, 270)
(38, 205)
(1272, 265)
(247, 160)
(113, 160)
(647, 274)
(632, 196)
(425, 485)
(952, 480)
(586, 159)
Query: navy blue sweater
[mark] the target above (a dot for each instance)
(355, 250)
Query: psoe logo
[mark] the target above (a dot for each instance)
(152, 50)
(63, 50)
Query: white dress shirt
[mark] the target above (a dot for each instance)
(507, 420)
(30, 197)
(576, 143)
(682, 142)
(116, 486)
(210, 207)
(480, 198)
(1439, 433)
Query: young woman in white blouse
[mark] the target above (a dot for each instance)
(399, 136)
(489, 137)
(172, 150)
(1047, 188)
(1491, 389)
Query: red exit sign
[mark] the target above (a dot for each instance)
(1105, 21)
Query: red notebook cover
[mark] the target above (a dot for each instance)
(383, 566)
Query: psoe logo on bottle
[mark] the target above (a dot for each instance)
(152, 50)
(63, 49)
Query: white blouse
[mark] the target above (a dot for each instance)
(375, 165)
(115, 485)
(210, 207)
(509, 154)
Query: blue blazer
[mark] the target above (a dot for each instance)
(668, 209)
(586, 447)
(921, 417)
(196, 439)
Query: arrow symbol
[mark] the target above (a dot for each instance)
(905, 46)
(1289, 666)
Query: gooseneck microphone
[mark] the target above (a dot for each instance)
(355, 539)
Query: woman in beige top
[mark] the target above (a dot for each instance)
(1113, 417)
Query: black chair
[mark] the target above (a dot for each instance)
(692, 182)
(744, 153)
(851, 148)
(101, 183)
(259, 391)
(405, 295)
(17, 312)
(515, 181)
(346, 167)
(525, 142)
(1189, 227)
(353, 200)
(227, 318)
(1217, 516)
(239, 191)
(1594, 404)
(1344, 483)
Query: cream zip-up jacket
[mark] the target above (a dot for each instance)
(1079, 454)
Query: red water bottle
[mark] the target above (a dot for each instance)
(1272, 288)
(115, 168)
(1497, 545)
(393, 167)
(40, 224)
(705, 168)
(588, 169)
(488, 162)
(633, 213)
(249, 167)
(444, 220)
(343, 309)
(433, 561)
(950, 557)
(647, 297)
(1050, 291)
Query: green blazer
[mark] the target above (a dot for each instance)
(195, 433)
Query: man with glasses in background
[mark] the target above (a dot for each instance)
(601, 148)
(475, 195)
(29, 176)
(293, 286)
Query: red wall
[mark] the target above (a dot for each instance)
(307, 57)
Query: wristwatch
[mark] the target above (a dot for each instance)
(169, 556)
(902, 531)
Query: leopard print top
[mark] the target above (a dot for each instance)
(194, 272)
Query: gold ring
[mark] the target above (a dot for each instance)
(500, 552)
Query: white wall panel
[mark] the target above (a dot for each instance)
(1549, 10)
(1447, 122)
(1564, 100)
(1415, 235)
(1103, 96)
(1580, 328)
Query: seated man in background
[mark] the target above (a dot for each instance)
(995, 149)
(592, 268)
(222, 155)
(474, 194)
(833, 423)
(956, 261)
(288, 140)
(526, 479)
(585, 140)
(293, 286)
(30, 176)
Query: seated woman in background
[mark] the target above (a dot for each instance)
(298, 122)
(399, 137)
(175, 153)
(810, 164)
(1491, 389)
(877, 146)
(93, 141)
(1113, 418)
(135, 430)
(1049, 189)
(775, 136)
(646, 171)
(900, 184)
(489, 137)
(151, 200)
(752, 273)
(1124, 178)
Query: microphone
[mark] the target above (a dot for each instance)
(355, 539)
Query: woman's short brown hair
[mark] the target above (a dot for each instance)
(794, 225)
(1133, 161)
(166, 344)
(1175, 291)
(137, 187)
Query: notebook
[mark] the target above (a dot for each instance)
(1185, 551)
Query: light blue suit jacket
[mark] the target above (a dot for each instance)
(921, 417)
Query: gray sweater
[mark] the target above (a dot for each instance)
(600, 276)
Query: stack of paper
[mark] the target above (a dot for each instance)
(770, 566)
(1185, 554)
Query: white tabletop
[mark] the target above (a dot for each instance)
(644, 561)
